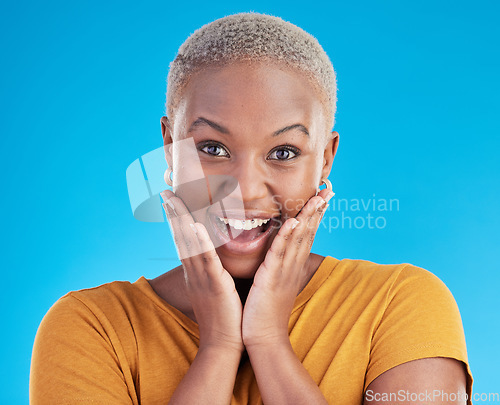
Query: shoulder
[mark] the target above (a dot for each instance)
(417, 316)
(81, 348)
(90, 318)
(105, 296)
(116, 290)
(396, 312)
(400, 290)
(399, 301)
(393, 279)
(103, 308)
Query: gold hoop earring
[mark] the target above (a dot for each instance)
(327, 183)
(167, 177)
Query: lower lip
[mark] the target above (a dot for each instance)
(243, 247)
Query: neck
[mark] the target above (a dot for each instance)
(243, 286)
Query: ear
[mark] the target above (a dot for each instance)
(329, 155)
(166, 132)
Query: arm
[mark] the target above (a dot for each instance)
(437, 380)
(210, 379)
(216, 306)
(281, 377)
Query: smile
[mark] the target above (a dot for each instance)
(242, 236)
(245, 224)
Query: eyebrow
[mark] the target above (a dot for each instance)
(201, 121)
(301, 127)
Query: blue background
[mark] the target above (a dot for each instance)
(82, 93)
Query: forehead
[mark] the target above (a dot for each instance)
(251, 95)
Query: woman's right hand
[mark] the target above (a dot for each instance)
(209, 287)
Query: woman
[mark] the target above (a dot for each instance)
(252, 316)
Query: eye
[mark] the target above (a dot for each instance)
(285, 152)
(213, 149)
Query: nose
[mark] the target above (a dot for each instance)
(252, 179)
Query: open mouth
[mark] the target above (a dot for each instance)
(243, 235)
(243, 230)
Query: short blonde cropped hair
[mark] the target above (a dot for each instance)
(253, 37)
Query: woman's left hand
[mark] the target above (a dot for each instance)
(280, 276)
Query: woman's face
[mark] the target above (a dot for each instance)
(258, 127)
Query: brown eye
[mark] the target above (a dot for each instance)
(284, 153)
(214, 150)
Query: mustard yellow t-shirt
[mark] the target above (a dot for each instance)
(120, 343)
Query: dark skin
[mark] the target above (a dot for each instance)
(250, 115)
(270, 186)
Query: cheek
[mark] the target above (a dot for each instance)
(294, 199)
(292, 191)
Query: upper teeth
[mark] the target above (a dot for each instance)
(245, 224)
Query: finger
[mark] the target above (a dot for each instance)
(292, 244)
(208, 258)
(310, 230)
(166, 194)
(276, 253)
(301, 240)
(278, 247)
(173, 221)
(326, 194)
(310, 208)
(186, 224)
(200, 260)
(306, 214)
(181, 223)
(319, 211)
(317, 216)
(206, 268)
(185, 219)
(175, 203)
(178, 234)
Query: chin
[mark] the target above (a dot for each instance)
(240, 266)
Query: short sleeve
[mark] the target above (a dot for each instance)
(74, 361)
(421, 320)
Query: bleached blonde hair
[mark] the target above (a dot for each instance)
(253, 37)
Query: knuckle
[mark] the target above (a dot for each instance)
(322, 209)
(209, 257)
(279, 253)
(177, 239)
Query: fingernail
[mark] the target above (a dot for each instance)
(171, 205)
(193, 228)
(320, 203)
(167, 210)
(329, 196)
(294, 223)
(166, 194)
